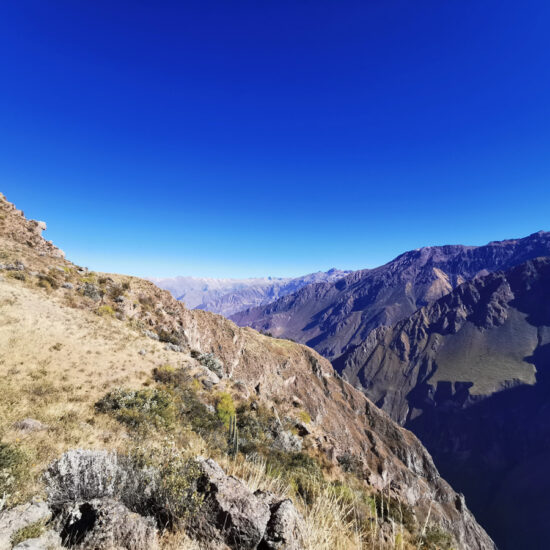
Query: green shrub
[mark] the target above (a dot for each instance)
(29, 532)
(304, 417)
(174, 497)
(105, 311)
(139, 408)
(14, 471)
(225, 408)
(435, 538)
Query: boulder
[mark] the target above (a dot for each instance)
(20, 517)
(30, 425)
(230, 511)
(285, 526)
(105, 523)
(49, 540)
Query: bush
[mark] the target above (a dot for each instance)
(32, 531)
(139, 408)
(211, 362)
(304, 417)
(168, 337)
(166, 374)
(19, 275)
(106, 311)
(13, 471)
(435, 538)
(225, 408)
(174, 497)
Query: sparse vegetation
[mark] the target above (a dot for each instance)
(29, 532)
(14, 469)
(225, 408)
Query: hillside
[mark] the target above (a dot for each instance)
(333, 317)
(468, 374)
(112, 363)
(228, 296)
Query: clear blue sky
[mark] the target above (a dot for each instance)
(246, 138)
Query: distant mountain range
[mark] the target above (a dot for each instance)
(334, 316)
(228, 296)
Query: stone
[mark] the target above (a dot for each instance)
(91, 291)
(230, 511)
(49, 540)
(173, 347)
(68, 285)
(105, 523)
(30, 425)
(285, 526)
(19, 517)
(151, 334)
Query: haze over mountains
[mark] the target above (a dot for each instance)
(228, 296)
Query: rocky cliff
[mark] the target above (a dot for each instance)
(332, 317)
(468, 374)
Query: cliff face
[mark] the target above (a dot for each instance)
(108, 328)
(334, 317)
(468, 374)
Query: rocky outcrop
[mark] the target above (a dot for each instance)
(20, 517)
(105, 523)
(335, 317)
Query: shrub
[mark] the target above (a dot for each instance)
(106, 311)
(29, 532)
(13, 471)
(139, 408)
(174, 497)
(166, 374)
(435, 538)
(225, 408)
(168, 337)
(48, 281)
(19, 275)
(211, 362)
(304, 417)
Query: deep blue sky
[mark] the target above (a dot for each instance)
(242, 138)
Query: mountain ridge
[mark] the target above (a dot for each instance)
(333, 317)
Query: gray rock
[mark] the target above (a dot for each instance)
(49, 540)
(80, 476)
(91, 291)
(285, 526)
(68, 285)
(19, 517)
(105, 523)
(230, 511)
(30, 425)
(142, 352)
(288, 442)
(119, 299)
(173, 347)
(151, 334)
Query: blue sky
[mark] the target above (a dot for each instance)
(252, 138)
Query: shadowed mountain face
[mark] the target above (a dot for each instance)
(470, 376)
(228, 296)
(334, 317)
